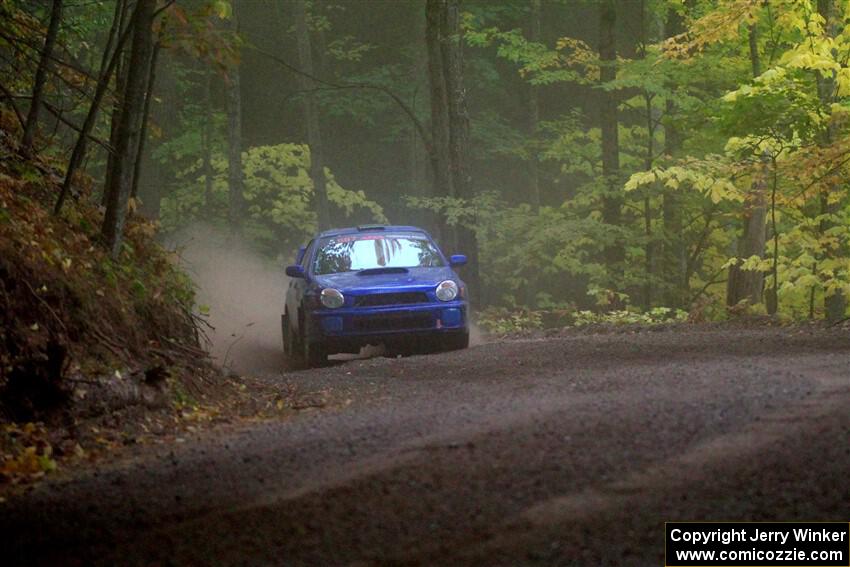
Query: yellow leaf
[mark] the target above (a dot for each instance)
(222, 9)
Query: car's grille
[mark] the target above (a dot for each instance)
(393, 322)
(378, 299)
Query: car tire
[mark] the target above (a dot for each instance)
(314, 354)
(291, 345)
(457, 341)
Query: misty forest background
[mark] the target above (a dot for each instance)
(598, 160)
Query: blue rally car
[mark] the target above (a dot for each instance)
(373, 284)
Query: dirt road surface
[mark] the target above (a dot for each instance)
(560, 451)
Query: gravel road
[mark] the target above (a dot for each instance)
(560, 451)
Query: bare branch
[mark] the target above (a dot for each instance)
(420, 128)
(11, 99)
(58, 113)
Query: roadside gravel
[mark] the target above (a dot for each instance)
(568, 450)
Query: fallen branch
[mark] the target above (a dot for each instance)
(188, 349)
(117, 350)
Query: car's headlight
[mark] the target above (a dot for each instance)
(447, 290)
(332, 298)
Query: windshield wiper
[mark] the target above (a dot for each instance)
(376, 271)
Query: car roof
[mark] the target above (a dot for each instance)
(371, 228)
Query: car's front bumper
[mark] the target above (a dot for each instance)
(346, 329)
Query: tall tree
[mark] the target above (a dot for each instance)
(749, 284)
(450, 119)
(651, 119)
(459, 155)
(143, 126)
(442, 179)
(41, 76)
(206, 138)
(419, 162)
(835, 303)
(235, 181)
(314, 133)
(418, 68)
(612, 201)
(122, 68)
(673, 253)
(534, 110)
(129, 126)
(108, 63)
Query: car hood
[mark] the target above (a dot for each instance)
(352, 281)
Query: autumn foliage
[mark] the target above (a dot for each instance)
(68, 312)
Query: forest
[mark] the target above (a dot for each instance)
(598, 161)
(646, 202)
(627, 159)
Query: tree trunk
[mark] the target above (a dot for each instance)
(835, 303)
(442, 180)
(235, 180)
(450, 124)
(534, 114)
(107, 67)
(459, 135)
(674, 258)
(152, 190)
(156, 181)
(612, 201)
(207, 141)
(121, 71)
(418, 165)
(649, 250)
(41, 76)
(749, 284)
(314, 133)
(129, 127)
(651, 119)
(772, 299)
(143, 127)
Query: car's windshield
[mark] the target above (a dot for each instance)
(354, 252)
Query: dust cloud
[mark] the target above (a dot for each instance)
(245, 295)
(476, 337)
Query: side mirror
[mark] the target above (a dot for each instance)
(295, 271)
(457, 260)
(300, 254)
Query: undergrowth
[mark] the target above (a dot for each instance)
(502, 321)
(70, 314)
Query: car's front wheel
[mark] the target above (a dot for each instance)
(314, 353)
(291, 344)
(455, 341)
(286, 335)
